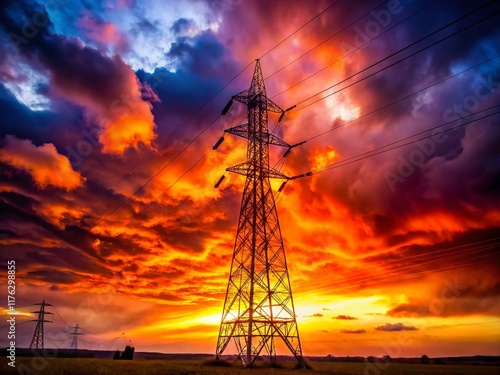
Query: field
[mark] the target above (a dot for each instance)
(81, 366)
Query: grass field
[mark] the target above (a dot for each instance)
(71, 366)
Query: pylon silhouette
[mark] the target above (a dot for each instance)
(37, 342)
(75, 333)
(258, 306)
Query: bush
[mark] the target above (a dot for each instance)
(128, 353)
(216, 362)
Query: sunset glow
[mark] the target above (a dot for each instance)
(393, 242)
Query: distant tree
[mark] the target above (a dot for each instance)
(387, 358)
(117, 355)
(128, 353)
(424, 359)
(438, 361)
(371, 359)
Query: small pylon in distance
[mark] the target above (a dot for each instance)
(75, 334)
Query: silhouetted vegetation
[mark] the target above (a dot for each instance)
(306, 364)
(89, 366)
(128, 353)
(216, 362)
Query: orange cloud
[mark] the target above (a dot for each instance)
(129, 130)
(43, 163)
(110, 93)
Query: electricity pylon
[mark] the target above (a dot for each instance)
(75, 333)
(258, 306)
(37, 340)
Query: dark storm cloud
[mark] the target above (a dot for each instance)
(412, 255)
(54, 276)
(156, 273)
(203, 65)
(182, 25)
(183, 239)
(388, 327)
(353, 331)
(461, 295)
(17, 207)
(344, 317)
(105, 87)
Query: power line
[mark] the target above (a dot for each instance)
(280, 197)
(326, 40)
(289, 88)
(424, 260)
(135, 216)
(57, 312)
(17, 324)
(437, 252)
(301, 27)
(154, 176)
(380, 150)
(351, 52)
(388, 276)
(282, 193)
(399, 277)
(398, 61)
(402, 98)
(383, 149)
(175, 130)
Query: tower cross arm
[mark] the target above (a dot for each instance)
(273, 107)
(245, 167)
(247, 96)
(239, 168)
(266, 137)
(39, 320)
(273, 173)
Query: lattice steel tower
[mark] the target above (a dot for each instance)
(37, 340)
(75, 334)
(258, 306)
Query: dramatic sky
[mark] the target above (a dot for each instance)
(392, 252)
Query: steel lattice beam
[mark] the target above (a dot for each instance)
(258, 307)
